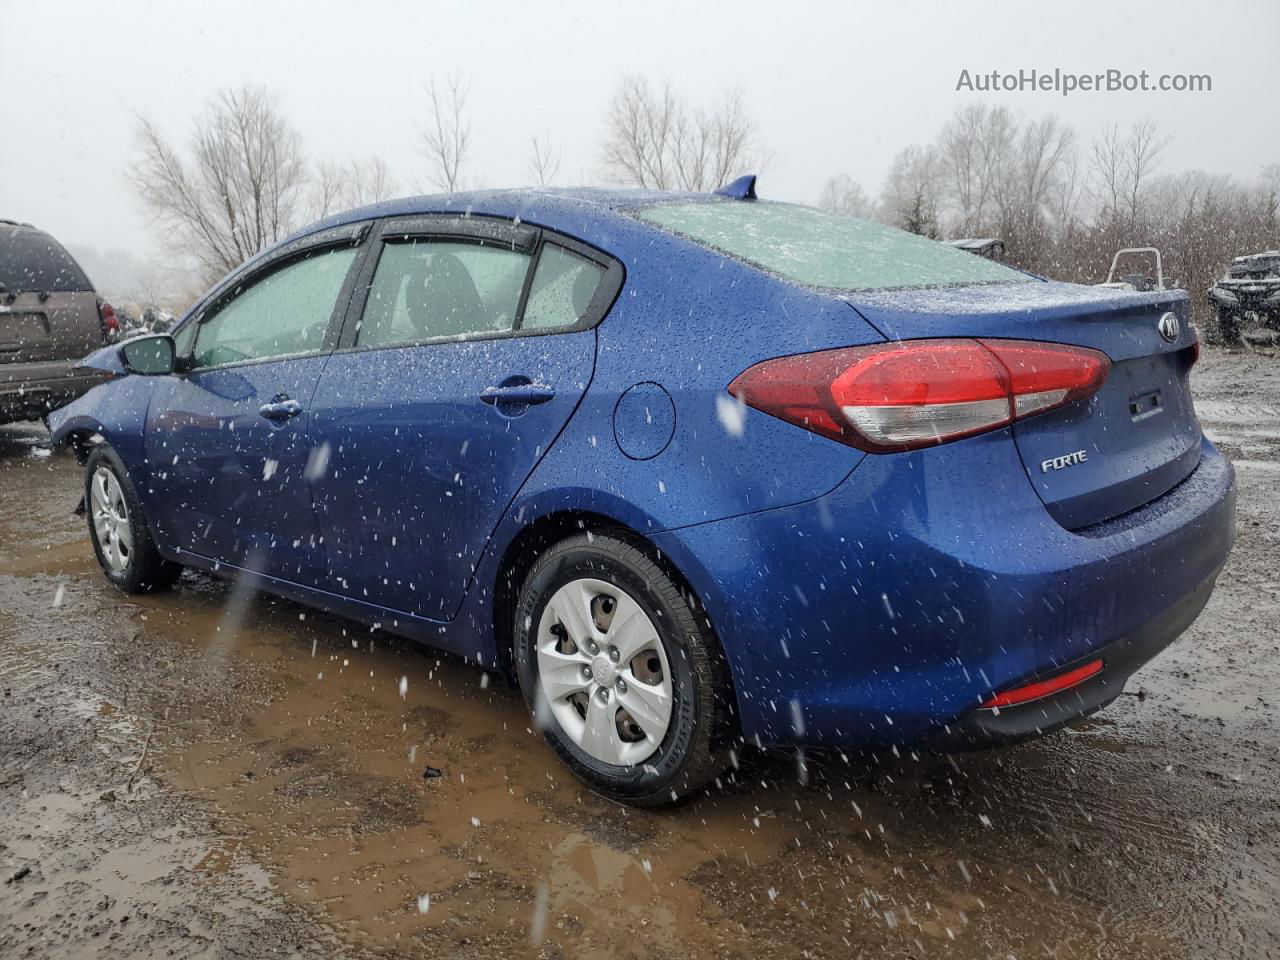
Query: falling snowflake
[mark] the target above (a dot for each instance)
(732, 413)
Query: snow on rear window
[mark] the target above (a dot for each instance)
(823, 249)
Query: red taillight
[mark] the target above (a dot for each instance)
(107, 315)
(1043, 688)
(919, 393)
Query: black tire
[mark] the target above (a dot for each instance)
(1228, 327)
(145, 570)
(695, 748)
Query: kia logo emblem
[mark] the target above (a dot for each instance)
(1169, 327)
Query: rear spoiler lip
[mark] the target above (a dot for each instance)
(997, 298)
(1033, 311)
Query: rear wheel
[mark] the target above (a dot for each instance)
(118, 529)
(623, 675)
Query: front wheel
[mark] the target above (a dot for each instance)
(622, 671)
(118, 530)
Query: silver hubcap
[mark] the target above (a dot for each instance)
(604, 672)
(111, 519)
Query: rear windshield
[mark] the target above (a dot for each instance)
(823, 249)
(31, 260)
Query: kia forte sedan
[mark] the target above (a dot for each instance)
(697, 470)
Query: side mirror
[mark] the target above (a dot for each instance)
(149, 356)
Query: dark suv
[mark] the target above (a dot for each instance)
(1251, 286)
(50, 317)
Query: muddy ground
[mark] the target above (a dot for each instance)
(172, 786)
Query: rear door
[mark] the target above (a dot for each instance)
(468, 347)
(228, 439)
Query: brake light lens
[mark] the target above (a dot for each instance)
(107, 316)
(920, 393)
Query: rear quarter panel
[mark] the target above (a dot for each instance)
(657, 438)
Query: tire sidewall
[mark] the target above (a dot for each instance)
(581, 559)
(129, 579)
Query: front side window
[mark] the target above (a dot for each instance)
(285, 313)
(424, 289)
(564, 285)
(822, 249)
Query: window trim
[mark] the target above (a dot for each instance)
(481, 229)
(239, 281)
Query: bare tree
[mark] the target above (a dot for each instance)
(341, 186)
(1106, 169)
(1122, 166)
(544, 163)
(1141, 157)
(1045, 148)
(974, 150)
(654, 139)
(446, 135)
(843, 194)
(1269, 198)
(912, 191)
(1064, 192)
(240, 188)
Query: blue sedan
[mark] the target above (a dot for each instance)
(697, 470)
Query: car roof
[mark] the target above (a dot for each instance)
(544, 205)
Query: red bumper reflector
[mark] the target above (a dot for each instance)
(1043, 688)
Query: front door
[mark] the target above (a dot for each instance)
(441, 402)
(228, 440)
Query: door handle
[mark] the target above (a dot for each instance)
(523, 393)
(280, 408)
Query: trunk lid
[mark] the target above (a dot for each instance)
(58, 326)
(1134, 440)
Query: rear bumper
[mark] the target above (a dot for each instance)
(886, 612)
(29, 391)
(1121, 659)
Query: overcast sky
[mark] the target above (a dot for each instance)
(833, 87)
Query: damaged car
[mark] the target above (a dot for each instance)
(1249, 289)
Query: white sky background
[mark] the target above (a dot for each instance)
(833, 87)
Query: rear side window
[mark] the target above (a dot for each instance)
(31, 260)
(564, 285)
(823, 249)
(425, 289)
